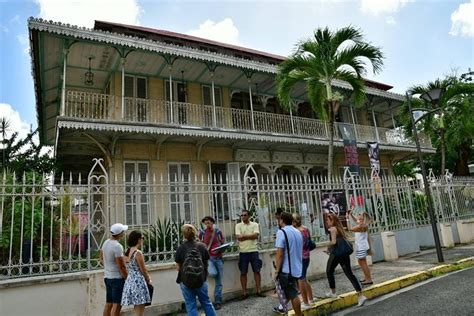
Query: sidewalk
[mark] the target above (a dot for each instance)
(382, 271)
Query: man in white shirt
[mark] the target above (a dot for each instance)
(115, 272)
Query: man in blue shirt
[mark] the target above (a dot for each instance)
(289, 266)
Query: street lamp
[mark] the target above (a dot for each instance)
(432, 96)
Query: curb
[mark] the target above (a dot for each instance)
(349, 299)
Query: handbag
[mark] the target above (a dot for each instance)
(150, 290)
(343, 248)
(309, 241)
(311, 244)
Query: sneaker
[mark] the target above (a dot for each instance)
(217, 306)
(362, 300)
(330, 295)
(279, 309)
(314, 300)
(305, 307)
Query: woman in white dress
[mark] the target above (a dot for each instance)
(135, 291)
(361, 236)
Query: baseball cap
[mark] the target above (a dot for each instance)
(118, 228)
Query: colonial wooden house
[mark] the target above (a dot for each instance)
(154, 102)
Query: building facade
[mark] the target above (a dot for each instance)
(160, 105)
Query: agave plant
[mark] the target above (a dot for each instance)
(162, 239)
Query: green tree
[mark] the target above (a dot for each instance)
(24, 155)
(451, 115)
(327, 56)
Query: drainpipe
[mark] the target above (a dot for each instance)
(63, 92)
(214, 118)
(375, 125)
(251, 105)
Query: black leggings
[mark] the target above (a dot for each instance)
(345, 263)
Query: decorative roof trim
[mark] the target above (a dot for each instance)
(145, 44)
(200, 132)
(186, 52)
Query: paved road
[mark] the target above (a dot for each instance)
(448, 295)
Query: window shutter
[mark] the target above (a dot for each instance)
(206, 95)
(141, 88)
(129, 91)
(217, 96)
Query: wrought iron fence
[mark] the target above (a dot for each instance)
(52, 226)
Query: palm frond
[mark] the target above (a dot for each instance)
(344, 34)
(317, 97)
(356, 82)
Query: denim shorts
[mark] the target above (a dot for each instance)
(114, 288)
(249, 257)
(305, 269)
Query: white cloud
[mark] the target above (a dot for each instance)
(15, 19)
(380, 7)
(4, 29)
(390, 20)
(462, 20)
(84, 12)
(224, 31)
(16, 123)
(24, 42)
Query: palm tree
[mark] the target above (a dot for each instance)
(450, 100)
(318, 61)
(4, 127)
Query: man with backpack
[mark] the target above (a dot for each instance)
(289, 259)
(191, 262)
(212, 237)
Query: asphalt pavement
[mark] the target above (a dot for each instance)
(381, 271)
(450, 294)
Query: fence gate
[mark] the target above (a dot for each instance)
(98, 209)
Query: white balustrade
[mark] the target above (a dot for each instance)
(89, 105)
(96, 106)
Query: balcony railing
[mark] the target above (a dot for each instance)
(94, 106)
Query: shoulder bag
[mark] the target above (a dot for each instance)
(343, 248)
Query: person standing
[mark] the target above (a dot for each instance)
(212, 237)
(115, 272)
(289, 259)
(337, 237)
(361, 235)
(247, 232)
(192, 262)
(304, 285)
(135, 291)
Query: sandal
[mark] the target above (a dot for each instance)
(244, 297)
(366, 283)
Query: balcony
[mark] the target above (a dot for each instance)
(108, 108)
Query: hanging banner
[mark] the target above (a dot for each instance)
(350, 147)
(374, 155)
(334, 201)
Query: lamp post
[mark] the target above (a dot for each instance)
(432, 98)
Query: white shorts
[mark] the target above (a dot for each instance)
(362, 254)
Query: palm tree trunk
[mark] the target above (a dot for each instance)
(443, 151)
(462, 163)
(331, 139)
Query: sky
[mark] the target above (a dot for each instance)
(421, 39)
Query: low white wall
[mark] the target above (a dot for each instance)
(83, 293)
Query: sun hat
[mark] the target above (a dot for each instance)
(208, 218)
(118, 228)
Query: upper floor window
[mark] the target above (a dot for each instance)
(135, 87)
(179, 91)
(207, 95)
